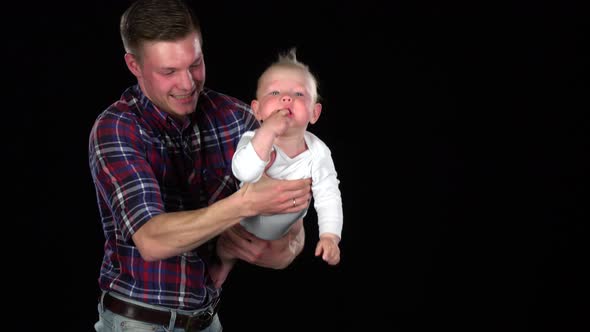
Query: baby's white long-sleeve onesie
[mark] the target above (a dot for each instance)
(316, 162)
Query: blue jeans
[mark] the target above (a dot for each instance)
(111, 322)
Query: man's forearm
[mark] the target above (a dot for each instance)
(174, 233)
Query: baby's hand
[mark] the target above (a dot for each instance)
(278, 122)
(328, 248)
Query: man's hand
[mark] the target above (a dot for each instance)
(275, 254)
(269, 196)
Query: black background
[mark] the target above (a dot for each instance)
(459, 130)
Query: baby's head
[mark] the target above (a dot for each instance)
(288, 84)
(287, 62)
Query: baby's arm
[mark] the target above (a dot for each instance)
(327, 201)
(253, 153)
(271, 128)
(326, 194)
(246, 164)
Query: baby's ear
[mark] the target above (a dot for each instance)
(317, 110)
(254, 105)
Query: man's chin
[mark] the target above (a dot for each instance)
(186, 111)
(185, 108)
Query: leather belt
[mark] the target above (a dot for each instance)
(130, 310)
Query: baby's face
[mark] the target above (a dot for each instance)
(286, 88)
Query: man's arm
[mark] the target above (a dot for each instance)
(170, 234)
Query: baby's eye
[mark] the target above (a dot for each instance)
(274, 93)
(299, 94)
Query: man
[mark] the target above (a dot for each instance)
(160, 159)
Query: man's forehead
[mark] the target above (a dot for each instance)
(185, 50)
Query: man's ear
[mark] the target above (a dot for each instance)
(317, 110)
(254, 104)
(132, 64)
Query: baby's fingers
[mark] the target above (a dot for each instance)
(331, 256)
(319, 249)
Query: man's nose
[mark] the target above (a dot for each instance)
(186, 80)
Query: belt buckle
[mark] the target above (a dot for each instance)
(199, 321)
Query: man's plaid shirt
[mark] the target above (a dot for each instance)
(143, 163)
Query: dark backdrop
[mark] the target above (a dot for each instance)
(459, 132)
